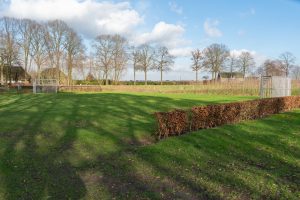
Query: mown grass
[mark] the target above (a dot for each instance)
(100, 146)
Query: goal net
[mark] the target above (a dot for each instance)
(275, 86)
(45, 86)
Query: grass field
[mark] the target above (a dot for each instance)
(101, 146)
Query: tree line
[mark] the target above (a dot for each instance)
(217, 58)
(55, 47)
(112, 54)
(27, 43)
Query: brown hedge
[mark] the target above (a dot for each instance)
(172, 123)
(178, 122)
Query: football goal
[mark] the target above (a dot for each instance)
(275, 86)
(45, 86)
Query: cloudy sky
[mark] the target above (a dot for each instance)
(265, 28)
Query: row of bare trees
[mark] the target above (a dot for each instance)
(54, 45)
(37, 46)
(112, 55)
(147, 58)
(283, 66)
(217, 58)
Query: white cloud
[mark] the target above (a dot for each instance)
(181, 52)
(89, 17)
(259, 58)
(169, 35)
(211, 28)
(175, 8)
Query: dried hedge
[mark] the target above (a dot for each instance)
(172, 123)
(80, 88)
(178, 122)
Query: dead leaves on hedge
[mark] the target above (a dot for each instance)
(178, 122)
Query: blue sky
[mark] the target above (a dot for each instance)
(266, 28)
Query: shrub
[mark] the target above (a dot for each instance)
(172, 123)
(202, 117)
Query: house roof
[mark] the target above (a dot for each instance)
(17, 70)
(233, 74)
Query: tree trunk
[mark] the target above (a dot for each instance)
(134, 81)
(115, 76)
(26, 61)
(9, 74)
(69, 70)
(38, 72)
(25, 67)
(1, 75)
(161, 76)
(6, 75)
(196, 76)
(145, 77)
(57, 72)
(69, 76)
(106, 78)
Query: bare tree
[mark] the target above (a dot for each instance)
(215, 57)
(74, 49)
(273, 68)
(197, 59)
(135, 58)
(104, 54)
(296, 72)
(10, 51)
(93, 71)
(38, 47)
(2, 57)
(120, 57)
(287, 59)
(80, 61)
(147, 59)
(232, 63)
(56, 36)
(164, 61)
(24, 41)
(245, 62)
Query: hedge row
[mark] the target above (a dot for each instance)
(80, 88)
(178, 122)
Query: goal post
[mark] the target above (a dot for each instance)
(275, 86)
(45, 86)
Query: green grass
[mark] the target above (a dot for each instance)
(100, 146)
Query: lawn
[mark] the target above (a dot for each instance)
(101, 146)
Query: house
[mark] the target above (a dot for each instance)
(51, 73)
(228, 76)
(16, 74)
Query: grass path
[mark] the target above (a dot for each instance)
(91, 146)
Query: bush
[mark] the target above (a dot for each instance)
(202, 117)
(172, 123)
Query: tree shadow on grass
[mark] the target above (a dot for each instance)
(225, 162)
(71, 143)
(30, 173)
(228, 152)
(34, 150)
